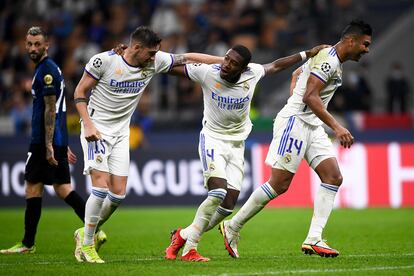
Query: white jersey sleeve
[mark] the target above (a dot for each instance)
(197, 71)
(163, 62)
(258, 70)
(325, 66)
(97, 65)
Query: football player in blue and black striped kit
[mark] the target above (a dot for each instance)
(49, 155)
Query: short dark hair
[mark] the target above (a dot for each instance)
(37, 30)
(244, 53)
(146, 36)
(357, 27)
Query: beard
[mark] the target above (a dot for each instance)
(35, 57)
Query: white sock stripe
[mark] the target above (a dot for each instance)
(224, 211)
(99, 193)
(330, 187)
(268, 190)
(115, 198)
(218, 193)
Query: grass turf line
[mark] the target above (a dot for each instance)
(371, 242)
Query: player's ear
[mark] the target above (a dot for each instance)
(137, 47)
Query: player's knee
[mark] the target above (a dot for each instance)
(333, 179)
(279, 186)
(34, 190)
(118, 190)
(62, 191)
(230, 200)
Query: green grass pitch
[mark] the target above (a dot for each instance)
(371, 242)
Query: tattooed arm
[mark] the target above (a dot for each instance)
(49, 118)
(181, 59)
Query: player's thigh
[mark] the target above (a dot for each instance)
(235, 167)
(212, 154)
(118, 161)
(96, 153)
(320, 147)
(289, 144)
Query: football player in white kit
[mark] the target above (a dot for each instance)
(228, 90)
(298, 134)
(117, 83)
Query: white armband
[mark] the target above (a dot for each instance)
(303, 55)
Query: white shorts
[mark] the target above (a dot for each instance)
(111, 154)
(223, 159)
(293, 140)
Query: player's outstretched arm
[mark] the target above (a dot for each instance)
(178, 71)
(84, 86)
(285, 62)
(180, 59)
(313, 101)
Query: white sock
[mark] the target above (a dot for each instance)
(324, 202)
(202, 218)
(220, 214)
(257, 200)
(110, 204)
(92, 210)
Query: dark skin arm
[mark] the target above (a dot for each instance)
(313, 100)
(285, 62)
(49, 117)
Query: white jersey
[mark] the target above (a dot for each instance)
(226, 105)
(120, 86)
(327, 67)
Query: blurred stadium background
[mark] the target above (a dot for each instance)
(375, 102)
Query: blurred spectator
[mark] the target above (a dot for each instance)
(356, 92)
(397, 89)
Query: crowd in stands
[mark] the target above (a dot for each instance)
(78, 29)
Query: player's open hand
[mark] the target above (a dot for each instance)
(91, 133)
(344, 136)
(71, 157)
(50, 155)
(312, 52)
(120, 49)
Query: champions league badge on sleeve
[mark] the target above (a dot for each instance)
(97, 62)
(325, 67)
